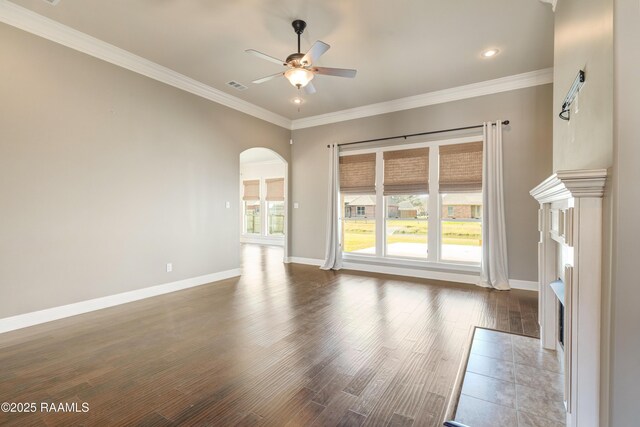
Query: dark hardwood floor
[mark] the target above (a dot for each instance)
(282, 345)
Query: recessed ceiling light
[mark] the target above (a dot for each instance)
(490, 53)
(297, 101)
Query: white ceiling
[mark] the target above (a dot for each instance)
(400, 48)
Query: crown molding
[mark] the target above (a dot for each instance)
(553, 3)
(504, 84)
(29, 21)
(36, 24)
(574, 183)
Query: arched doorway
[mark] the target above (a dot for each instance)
(264, 198)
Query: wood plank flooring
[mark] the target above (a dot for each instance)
(282, 345)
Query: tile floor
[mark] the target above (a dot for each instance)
(511, 381)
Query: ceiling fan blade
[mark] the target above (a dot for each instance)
(316, 51)
(338, 72)
(310, 88)
(265, 56)
(266, 79)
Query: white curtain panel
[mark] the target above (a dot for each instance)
(494, 269)
(333, 251)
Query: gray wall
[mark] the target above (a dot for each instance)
(583, 40)
(106, 175)
(625, 296)
(527, 159)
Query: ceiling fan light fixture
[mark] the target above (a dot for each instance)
(298, 77)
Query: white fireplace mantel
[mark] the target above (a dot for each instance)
(566, 184)
(570, 249)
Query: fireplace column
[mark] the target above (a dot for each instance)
(570, 250)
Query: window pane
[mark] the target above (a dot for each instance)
(276, 218)
(359, 224)
(407, 226)
(252, 216)
(461, 226)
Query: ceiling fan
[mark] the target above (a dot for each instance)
(300, 66)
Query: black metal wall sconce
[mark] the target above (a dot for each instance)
(565, 114)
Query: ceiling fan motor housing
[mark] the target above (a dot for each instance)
(298, 26)
(294, 59)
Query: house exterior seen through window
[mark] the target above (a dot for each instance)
(359, 225)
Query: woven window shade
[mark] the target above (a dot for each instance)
(358, 174)
(406, 171)
(275, 190)
(461, 168)
(251, 190)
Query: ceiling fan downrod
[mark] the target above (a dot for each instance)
(298, 26)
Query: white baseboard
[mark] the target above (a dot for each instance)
(34, 318)
(448, 276)
(307, 261)
(468, 278)
(526, 285)
(263, 240)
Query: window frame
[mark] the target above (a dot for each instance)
(433, 209)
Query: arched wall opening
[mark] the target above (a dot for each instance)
(264, 201)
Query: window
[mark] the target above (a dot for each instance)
(251, 197)
(358, 190)
(405, 187)
(275, 206)
(406, 226)
(273, 222)
(422, 202)
(460, 184)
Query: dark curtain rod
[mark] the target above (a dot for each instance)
(506, 122)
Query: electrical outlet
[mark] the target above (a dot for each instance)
(296, 205)
(227, 205)
(169, 267)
